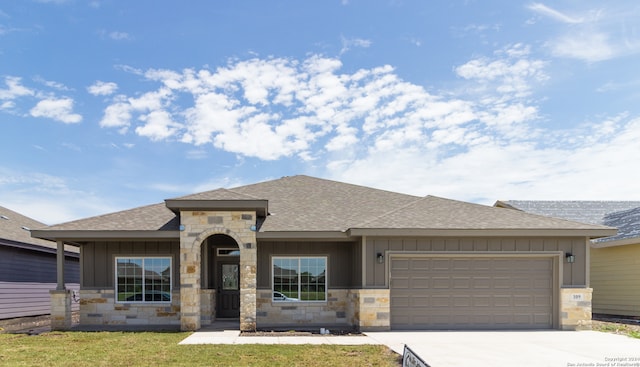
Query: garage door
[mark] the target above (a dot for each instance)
(471, 293)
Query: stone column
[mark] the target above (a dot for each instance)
(575, 308)
(60, 309)
(189, 286)
(248, 284)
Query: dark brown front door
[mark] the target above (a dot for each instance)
(228, 290)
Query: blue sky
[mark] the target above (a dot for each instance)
(109, 105)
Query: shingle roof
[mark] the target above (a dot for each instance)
(627, 222)
(580, 211)
(154, 217)
(303, 203)
(440, 213)
(16, 227)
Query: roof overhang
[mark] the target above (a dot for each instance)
(304, 235)
(614, 243)
(481, 232)
(261, 207)
(72, 236)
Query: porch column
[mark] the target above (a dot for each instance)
(60, 266)
(60, 297)
(248, 283)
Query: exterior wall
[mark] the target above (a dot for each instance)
(575, 308)
(98, 260)
(615, 278)
(369, 309)
(574, 275)
(27, 276)
(340, 259)
(98, 307)
(198, 226)
(305, 315)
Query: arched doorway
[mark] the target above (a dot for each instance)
(221, 273)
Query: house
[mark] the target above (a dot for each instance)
(615, 260)
(304, 252)
(28, 268)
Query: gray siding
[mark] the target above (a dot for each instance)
(26, 276)
(341, 257)
(23, 265)
(22, 299)
(98, 260)
(573, 274)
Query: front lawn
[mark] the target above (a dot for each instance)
(162, 349)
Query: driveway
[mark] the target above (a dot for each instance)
(515, 348)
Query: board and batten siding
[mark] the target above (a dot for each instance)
(27, 276)
(98, 260)
(615, 279)
(342, 256)
(574, 275)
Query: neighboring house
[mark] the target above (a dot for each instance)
(615, 260)
(28, 268)
(304, 252)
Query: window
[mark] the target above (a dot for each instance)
(143, 279)
(299, 279)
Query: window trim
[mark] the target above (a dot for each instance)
(299, 258)
(143, 258)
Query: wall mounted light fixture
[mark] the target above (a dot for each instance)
(570, 257)
(379, 258)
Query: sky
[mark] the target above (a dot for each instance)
(107, 105)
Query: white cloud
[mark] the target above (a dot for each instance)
(59, 109)
(100, 88)
(273, 108)
(15, 89)
(349, 43)
(592, 35)
(119, 36)
(587, 46)
(554, 14)
(47, 198)
(157, 125)
(373, 128)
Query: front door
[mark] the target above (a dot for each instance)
(228, 285)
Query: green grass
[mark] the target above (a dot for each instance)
(161, 349)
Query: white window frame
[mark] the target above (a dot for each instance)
(299, 258)
(143, 258)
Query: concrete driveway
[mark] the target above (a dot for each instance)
(515, 348)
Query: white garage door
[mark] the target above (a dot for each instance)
(471, 293)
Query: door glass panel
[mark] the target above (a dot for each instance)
(230, 277)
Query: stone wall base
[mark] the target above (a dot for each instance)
(304, 315)
(98, 307)
(370, 309)
(575, 308)
(61, 309)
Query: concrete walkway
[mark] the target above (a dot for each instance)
(460, 348)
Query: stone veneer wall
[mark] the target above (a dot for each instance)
(208, 306)
(370, 309)
(60, 309)
(198, 226)
(575, 308)
(98, 307)
(300, 315)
